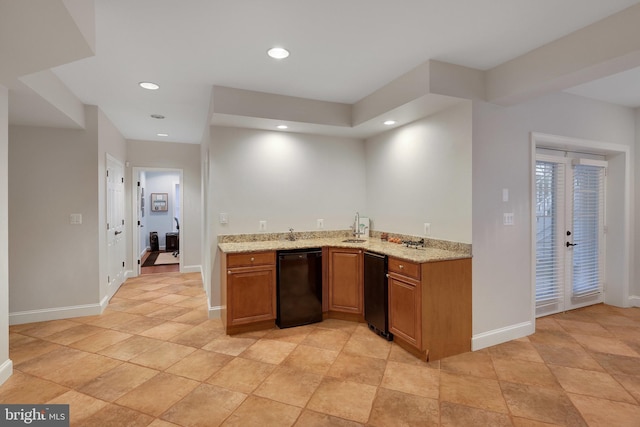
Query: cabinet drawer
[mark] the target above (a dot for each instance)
(250, 259)
(406, 268)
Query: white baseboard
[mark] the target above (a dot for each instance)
(215, 312)
(104, 303)
(498, 336)
(192, 269)
(634, 301)
(6, 370)
(111, 291)
(57, 313)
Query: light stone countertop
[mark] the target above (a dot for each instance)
(397, 250)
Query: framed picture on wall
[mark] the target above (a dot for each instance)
(159, 202)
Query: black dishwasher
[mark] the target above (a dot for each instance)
(299, 288)
(376, 296)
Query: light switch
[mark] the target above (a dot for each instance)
(320, 223)
(508, 218)
(75, 219)
(263, 225)
(224, 218)
(505, 194)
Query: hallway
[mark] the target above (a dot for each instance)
(154, 269)
(154, 358)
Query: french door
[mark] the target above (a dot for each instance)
(570, 227)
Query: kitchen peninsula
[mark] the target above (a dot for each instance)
(429, 287)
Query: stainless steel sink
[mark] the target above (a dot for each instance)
(354, 241)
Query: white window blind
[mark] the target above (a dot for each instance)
(588, 224)
(549, 179)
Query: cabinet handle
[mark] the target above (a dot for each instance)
(252, 259)
(387, 275)
(401, 266)
(228, 271)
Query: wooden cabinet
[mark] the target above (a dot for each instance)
(346, 282)
(248, 291)
(430, 306)
(405, 309)
(429, 303)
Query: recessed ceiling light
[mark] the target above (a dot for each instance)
(282, 127)
(390, 122)
(157, 116)
(149, 85)
(278, 53)
(163, 134)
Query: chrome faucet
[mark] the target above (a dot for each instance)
(356, 226)
(292, 236)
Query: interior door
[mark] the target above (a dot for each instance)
(115, 222)
(570, 228)
(140, 244)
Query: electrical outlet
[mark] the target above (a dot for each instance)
(508, 218)
(263, 225)
(224, 218)
(320, 223)
(427, 228)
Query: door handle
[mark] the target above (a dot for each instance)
(571, 244)
(118, 232)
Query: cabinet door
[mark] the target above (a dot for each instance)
(405, 315)
(345, 280)
(251, 294)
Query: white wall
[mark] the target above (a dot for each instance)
(502, 159)
(289, 180)
(5, 363)
(52, 173)
(162, 222)
(635, 284)
(209, 244)
(57, 269)
(167, 155)
(421, 173)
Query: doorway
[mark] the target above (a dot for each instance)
(158, 239)
(581, 223)
(116, 250)
(570, 231)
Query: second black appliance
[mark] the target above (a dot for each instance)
(376, 296)
(299, 289)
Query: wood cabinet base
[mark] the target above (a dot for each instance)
(351, 317)
(248, 291)
(250, 327)
(410, 348)
(430, 307)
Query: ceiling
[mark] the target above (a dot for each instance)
(341, 51)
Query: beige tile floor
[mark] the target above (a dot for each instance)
(153, 358)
